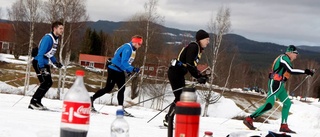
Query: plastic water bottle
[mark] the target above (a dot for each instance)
(120, 127)
(76, 109)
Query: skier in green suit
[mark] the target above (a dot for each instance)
(281, 71)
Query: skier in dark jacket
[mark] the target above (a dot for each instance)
(120, 64)
(281, 71)
(186, 61)
(45, 51)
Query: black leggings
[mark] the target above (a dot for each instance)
(114, 77)
(45, 81)
(176, 79)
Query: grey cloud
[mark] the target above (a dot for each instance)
(279, 21)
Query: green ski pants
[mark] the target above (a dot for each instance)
(276, 90)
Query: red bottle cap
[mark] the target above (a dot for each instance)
(79, 73)
(208, 133)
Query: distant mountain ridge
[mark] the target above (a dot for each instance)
(244, 43)
(310, 48)
(257, 53)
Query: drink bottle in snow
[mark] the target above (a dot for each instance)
(120, 127)
(76, 109)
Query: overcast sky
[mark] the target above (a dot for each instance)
(283, 22)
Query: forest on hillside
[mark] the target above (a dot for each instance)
(230, 64)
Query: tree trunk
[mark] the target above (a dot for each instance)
(134, 87)
(27, 76)
(66, 61)
(205, 110)
(144, 62)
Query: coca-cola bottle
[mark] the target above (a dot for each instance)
(76, 109)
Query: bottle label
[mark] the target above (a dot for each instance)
(75, 112)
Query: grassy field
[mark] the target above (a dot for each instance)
(249, 103)
(14, 74)
(255, 101)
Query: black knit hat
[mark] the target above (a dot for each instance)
(201, 34)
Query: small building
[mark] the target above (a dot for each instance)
(93, 61)
(157, 65)
(6, 38)
(204, 69)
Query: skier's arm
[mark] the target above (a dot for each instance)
(53, 59)
(285, 63)
(126, 54)
(43, 48)
(191, 55)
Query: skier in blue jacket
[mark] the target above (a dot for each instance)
(45, 51)
(120, 64)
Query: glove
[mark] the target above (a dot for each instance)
(129, 74)
(136, 70)
(44, 72)
(108, 62)
(202, 79)
(309, 72)
(58, 65)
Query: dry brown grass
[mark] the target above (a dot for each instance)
(14, 74)
(251, 102)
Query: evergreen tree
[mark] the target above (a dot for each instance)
(86, 42)
(103, 36)
(95, 44)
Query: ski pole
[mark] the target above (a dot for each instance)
(271, 113)
(256, 103)
(247, 108)
(122, 86)
(24, 96)
(153, 97)
(168, 105)
(158, 96)
(267, 97)
(159, 113)
(285, 100)
(15, 79)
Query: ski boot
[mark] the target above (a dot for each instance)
(165, 121)
(127, 113)
(93, 110)
(285, 128)
(92, 107)
(248, 121)
(36, 105)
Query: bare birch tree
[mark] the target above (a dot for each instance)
(151, 17)
(309, 87)
(72, 13)
(310, 82)
(17, 14)
(27, 11)
(218, 27)
(146, 24)
(1, 13)
(52, 10)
